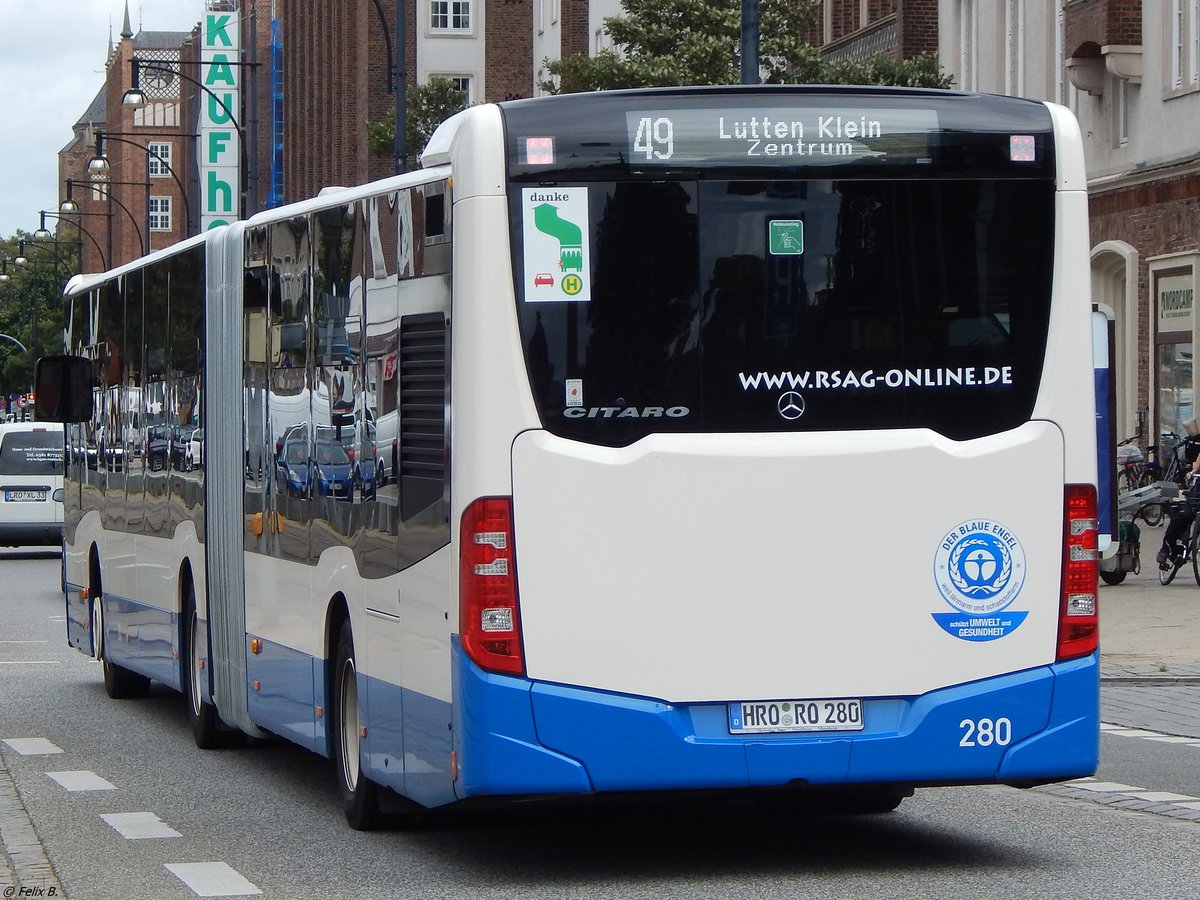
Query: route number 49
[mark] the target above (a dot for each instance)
(985, 732)
(655, 137)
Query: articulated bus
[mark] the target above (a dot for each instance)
(736, 439)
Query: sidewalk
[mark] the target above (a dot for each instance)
(1150, 648)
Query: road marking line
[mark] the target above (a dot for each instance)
(136, 826)
(1160, 796)
(81, 781)
(32, 746)
(28, 662)
(212, 879)
(24, 642)
(1105, 787)
(1171, 739)
(1122, 731)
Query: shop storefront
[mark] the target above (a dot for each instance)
(1173, 286)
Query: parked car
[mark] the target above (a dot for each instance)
(31, 495)
(334, 472)
(158, 447)
(181, 438)
(195, 449)
(328, 469)
(293, 465)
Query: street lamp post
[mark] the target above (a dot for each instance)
(99, 168)
(135, 98)
(104, 187)
(43, 234)
(399, 75)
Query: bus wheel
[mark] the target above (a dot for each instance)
(119, 683)
(206, 725)
(360, 795)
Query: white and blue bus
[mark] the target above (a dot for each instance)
(691, 439)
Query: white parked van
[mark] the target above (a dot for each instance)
(31, 480)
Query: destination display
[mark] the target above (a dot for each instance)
(786, 135)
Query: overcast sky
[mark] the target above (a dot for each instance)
(52, 56)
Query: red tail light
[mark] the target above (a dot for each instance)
(1079, 621)
(489, 623)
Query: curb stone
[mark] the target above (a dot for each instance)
(23, 862)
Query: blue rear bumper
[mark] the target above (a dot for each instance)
(515, 736)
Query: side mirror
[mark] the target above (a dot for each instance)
(63, 389)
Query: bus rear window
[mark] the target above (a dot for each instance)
(799, 305)
(31, 453)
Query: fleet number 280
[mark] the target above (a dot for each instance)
(985, 732)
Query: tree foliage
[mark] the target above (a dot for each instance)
(31, 307)
(676, 42)
(427, 106)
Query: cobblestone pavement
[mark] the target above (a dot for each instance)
(23, 860)
(1165, 708)
(1150, 648)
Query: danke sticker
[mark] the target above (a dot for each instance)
(557, 255)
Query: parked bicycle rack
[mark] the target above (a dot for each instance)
(1131, 503)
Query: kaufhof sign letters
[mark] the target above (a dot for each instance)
(220, 150)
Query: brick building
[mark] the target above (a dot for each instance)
(139, 202)
(861, 29)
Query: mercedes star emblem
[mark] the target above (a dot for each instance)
(791, 406)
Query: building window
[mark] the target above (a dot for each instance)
(1185, 45)
(1121, 113)
(160, 213)
(158, 160)
(459, 83)
(450, 15)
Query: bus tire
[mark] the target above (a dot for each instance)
(119, 683)
(206, 724)
(876, 801)
(360, 795)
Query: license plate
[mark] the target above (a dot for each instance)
(24, 496)
(761, 717)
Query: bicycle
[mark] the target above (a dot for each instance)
(1133, 472)
(1171, 560)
